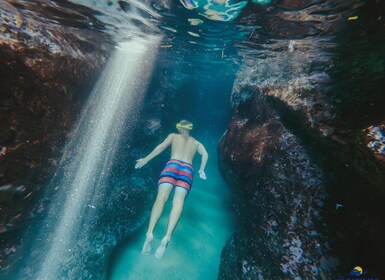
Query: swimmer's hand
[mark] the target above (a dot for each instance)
(202, 174)
(140, 163)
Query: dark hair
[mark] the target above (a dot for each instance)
(184, 125)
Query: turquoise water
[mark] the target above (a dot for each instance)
(205, 45)
(194, 251)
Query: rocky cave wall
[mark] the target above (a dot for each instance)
(47, 70)
(304, 157)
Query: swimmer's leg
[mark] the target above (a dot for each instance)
(164, 191)
(176, 211)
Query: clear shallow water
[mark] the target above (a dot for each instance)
(194, 251)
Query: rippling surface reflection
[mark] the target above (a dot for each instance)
(266, 30)
(192, 30)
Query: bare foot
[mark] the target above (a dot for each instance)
(162, 247)
(147, 244)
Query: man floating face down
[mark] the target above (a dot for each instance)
(177, 173)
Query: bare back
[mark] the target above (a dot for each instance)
(183, 148)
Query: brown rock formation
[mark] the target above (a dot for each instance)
(46, 72)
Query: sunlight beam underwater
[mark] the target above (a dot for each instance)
(114, 102)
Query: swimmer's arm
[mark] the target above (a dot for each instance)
(205, 156)
(158, 149)
(161, 147)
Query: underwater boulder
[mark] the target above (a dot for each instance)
(280, 198)
(46, 70)
(299, 149)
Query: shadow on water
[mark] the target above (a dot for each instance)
(119, 249)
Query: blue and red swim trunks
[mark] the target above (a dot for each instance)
(178, 173)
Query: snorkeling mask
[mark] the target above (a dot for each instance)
(187, 126)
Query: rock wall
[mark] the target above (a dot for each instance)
(306, 186)
(47, 70)
(280, 197)
(304, 157)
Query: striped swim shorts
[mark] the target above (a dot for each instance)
(178, 173)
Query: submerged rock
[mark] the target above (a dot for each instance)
(303, 154)
(300, 193)
(280, 198)
(46, 71)
(306, 181)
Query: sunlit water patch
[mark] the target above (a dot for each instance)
(220, 10)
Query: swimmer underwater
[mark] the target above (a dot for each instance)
(178, 174)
